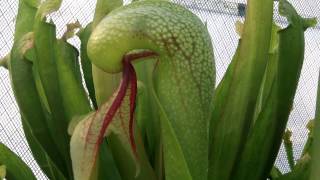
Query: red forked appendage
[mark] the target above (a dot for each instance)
(128, 78)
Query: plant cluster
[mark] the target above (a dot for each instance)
(139, 101)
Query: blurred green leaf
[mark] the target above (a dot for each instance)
(300, 172)
(104, 7)
(275, 173)
(315, 149)
(16, 169)
(3, 170)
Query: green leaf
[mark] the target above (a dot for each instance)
(45, 61)
(176, 166)
(124, 161)
(275, 173)
(39, 86)
(16, 169)
(75, 100)
(260, 151)
(30, 107)
(84, 35)
(25, 18)
(23, 84)
(237, 94)
(106, 164)
(32, 3)
(147, 114)
(41, 155)
(270, 72)
(46, 57)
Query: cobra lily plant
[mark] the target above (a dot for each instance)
(139, 99)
